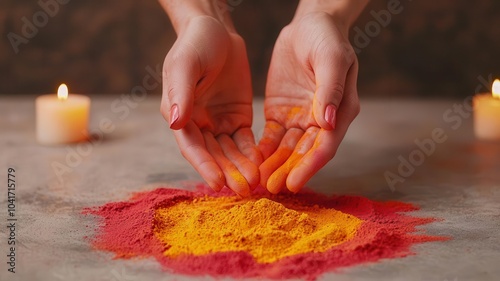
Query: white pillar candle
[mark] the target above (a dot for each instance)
(62, 118)
(487, 114)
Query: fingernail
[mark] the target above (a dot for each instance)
(330, 115)
(174, 114)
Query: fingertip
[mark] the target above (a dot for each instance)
(254, 177)
(250, 175)
(272, 187)
(331, 116)
(245, 171)
(179, 116)
(276, 181)
(174, 116)
(238, 183)
(215, 187)
(328, 95)
(304, 171)
(294, 185)
(220, 182)
(325, 114)
(214, 176)
(243, 192)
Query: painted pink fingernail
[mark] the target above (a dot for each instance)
(330, 115)
(174, 114)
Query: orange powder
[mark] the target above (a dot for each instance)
(293, 112)
(272, 125)
(238, 177)
(266, 229)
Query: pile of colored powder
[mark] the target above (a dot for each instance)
(275, 236)
(264, 228)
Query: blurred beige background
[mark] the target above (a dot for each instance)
(429, 49)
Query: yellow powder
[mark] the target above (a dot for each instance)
(266, 229)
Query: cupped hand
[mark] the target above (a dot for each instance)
(207, 99)
(311, 99)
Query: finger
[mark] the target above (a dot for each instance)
(327, 142)
(278, 178)
(181, 73)
(279, 157)
(320, 153)
(330, 68)
(245, 141)
(273, 133)
(192, 146)
(234, 179)
(247, 168)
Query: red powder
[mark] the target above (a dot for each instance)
(127, 230)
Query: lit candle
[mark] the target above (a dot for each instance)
(62, 118)
(487, 114)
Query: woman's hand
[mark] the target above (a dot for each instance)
(207, 100)
(311, 99)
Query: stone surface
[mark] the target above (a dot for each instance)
(459, 183)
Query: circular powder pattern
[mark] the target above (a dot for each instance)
(313, 233)
(266, 229)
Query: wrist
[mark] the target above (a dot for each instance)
(181, 12)
(345, 12)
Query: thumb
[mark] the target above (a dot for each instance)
(180, 76)
(330, 76)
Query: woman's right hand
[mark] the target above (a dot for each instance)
(207, 100)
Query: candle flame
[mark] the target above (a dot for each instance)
(62, 92)
(496, 89)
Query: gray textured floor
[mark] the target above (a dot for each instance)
(459, 182)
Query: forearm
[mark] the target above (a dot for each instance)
(347, 11)
(181, 12)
